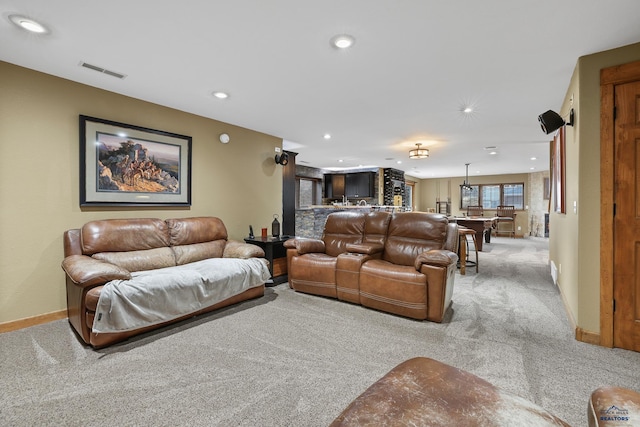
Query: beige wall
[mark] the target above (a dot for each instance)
(39, 171)
(575, 240)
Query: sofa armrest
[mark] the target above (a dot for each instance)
(86, 271)
(365, 248)
(235, 249)
(439, 266)
(452, 241)
(305, 246)
(436, 257)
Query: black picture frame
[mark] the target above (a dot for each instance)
(128, 165)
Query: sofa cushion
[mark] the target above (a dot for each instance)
(157, 296)
(314, 273)
(393, 288)
(342, 228)
(150, 259)
(121, 235)
(411, 233)
(186, 231)
(376, 226)
(198, 251)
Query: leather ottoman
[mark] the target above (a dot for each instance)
(614, 406)
(425, 392)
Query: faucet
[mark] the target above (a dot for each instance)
(345, 201)
(362, 202)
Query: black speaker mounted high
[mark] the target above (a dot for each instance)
(282, 159)
(550, 121)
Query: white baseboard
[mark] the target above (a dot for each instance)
(554, 272)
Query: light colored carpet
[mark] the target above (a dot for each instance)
(290, 359)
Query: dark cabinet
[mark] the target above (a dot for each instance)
(357, 184)
(334, 186)
(276, 254)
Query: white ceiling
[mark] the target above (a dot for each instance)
(414, 65)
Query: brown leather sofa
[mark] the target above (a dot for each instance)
(401, 263)
(111, 250)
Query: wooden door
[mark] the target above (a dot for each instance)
(626, 286)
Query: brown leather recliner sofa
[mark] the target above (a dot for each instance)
(187, 260)
(402, 263)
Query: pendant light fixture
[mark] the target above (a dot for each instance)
(466, 185)
(418, 153)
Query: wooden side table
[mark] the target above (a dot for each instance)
(276, 254)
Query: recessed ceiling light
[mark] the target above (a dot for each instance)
(493, 153)
(467, 110)
(343, 41)
(340, 161)
(28, 24)
(220, 95)
(327, 136)
(399, 162)
(533, 158)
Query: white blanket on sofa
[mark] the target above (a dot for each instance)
(156, 296)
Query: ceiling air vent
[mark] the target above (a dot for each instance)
(102, 70)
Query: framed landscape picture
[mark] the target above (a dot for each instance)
(127, 165)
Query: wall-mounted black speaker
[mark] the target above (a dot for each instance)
(282, 159)
(550, 121)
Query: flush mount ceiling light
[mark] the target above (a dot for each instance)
(220, 95)
(418, 153)
(342, 41)
(28, 24)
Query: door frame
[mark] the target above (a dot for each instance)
(609, 78)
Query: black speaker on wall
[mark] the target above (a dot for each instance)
(550, 121)
(282, 159)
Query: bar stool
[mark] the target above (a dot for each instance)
(463, 233)
(506, 220)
